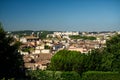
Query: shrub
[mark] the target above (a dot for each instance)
(70, 76)
(99, 75)
(53, 75)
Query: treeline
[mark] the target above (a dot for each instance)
(82, 37)
(42, 34)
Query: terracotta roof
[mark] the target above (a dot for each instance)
(27, 58)
(31, 37)
(29, 65)
(42, 57)
(43, 62)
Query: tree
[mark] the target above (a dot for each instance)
(11, 62)
(47, 47)
(93, 60)
(65, 60)
(113, 48)
(82, 37)
(107, 60)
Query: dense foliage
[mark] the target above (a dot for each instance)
(51, 75)
(99, 75)
(82, 37)
(10, 60)
(93, 60)
(65, 60)
(113, 49)
(61, 75)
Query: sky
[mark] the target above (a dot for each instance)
(60, 15)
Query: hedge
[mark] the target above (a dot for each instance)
(61, 75)
(53, 75)
(99, 75)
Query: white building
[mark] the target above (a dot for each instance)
(66, 33)
(45, 51)
(23, 40)
(118, 32)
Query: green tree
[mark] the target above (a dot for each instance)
(47, 47)
(93, 60)
(43, 34)
(83, 37)
(107, 60)
(113, 48)
(65, 60)
(11, 61)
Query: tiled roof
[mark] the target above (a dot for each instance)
(42, 57)
(31, 37)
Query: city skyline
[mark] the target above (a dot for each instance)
(60, 15)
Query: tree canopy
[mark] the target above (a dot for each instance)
(64, 60)
(113, 48)
(11, 62)
(82, 37)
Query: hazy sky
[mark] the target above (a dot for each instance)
(60, 15)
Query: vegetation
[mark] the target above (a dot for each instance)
(65, 75)
(48, 75)
(65, 60)
(99, 75)
(82, 37)
(42, 34)
(22, 33)
(47, 47)
(27, 49)
(12, 65)
(113, 49)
